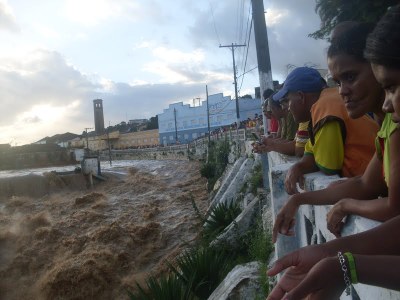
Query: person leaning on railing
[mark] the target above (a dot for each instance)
(337, 143)
(361, 93)
(374, 255)
(286, 139)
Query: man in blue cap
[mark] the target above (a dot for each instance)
(285, 138)
(337, 144)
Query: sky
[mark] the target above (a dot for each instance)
(139, 56)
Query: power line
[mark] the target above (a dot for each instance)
(233, 46)
(240, 15)
(215, 27)
(248, 71)
(247, 54)
(247, 28)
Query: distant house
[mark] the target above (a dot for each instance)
(5, 147)
(62, 140)
(137, 121)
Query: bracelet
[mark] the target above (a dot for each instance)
(346, 278)
(352, 266)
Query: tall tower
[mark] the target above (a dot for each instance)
(98, 116)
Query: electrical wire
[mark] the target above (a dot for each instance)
(240, 20)
(215, 27)
(247, 54)
(247, 28)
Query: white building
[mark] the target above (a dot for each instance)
(183, 123)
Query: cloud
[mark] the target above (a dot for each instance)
(46, 32)
(43, 95)
(40, 90)
(168, 58)
(32, 119)
(93, 12)
(289, 23)
(173, 65)
(7, 18)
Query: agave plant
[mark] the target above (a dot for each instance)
(169, 287)
(202, 269)
(220, 217)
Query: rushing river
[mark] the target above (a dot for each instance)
(61, 240)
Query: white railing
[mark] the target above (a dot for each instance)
(311, 220)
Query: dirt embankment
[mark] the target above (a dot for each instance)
(74, 243)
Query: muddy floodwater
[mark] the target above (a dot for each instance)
(61, 240)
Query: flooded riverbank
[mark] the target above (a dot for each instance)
(75, 243)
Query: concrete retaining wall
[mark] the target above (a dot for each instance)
(179, 152)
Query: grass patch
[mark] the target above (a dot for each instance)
(260, 248)
(256, 179)
(218, 153)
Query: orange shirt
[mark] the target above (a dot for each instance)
(358, 134)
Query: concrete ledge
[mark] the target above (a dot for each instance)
(311, 220)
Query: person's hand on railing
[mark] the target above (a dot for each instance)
(285, 219)
(263, 145)
(258, 147)
(293, 176)
(298, 264)
(335, 217)
(316, 284)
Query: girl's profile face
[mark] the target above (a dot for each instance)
(389, 78)
(358, 87)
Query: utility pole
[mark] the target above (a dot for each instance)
(87, 138)
(108, 141)
(263, 58)
(233, 46)
(208, 118)
(176, 129)
(264, 66)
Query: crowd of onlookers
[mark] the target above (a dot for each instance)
(351, 130)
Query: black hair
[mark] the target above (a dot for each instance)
(383, 43)
(342, 27)
(267, 93)
(274, 103)
(350, 39)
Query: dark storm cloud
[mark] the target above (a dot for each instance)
(145, 101)
(45, 79)
(288, 36)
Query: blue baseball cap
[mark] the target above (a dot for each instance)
(303, 79)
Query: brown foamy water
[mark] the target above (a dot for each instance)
(59, 240)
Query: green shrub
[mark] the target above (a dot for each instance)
(260, 246)
(218, 154)
(256, 179)
(207, 170)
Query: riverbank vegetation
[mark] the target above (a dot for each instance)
(217, 160)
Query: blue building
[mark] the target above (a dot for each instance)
(184, 123)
